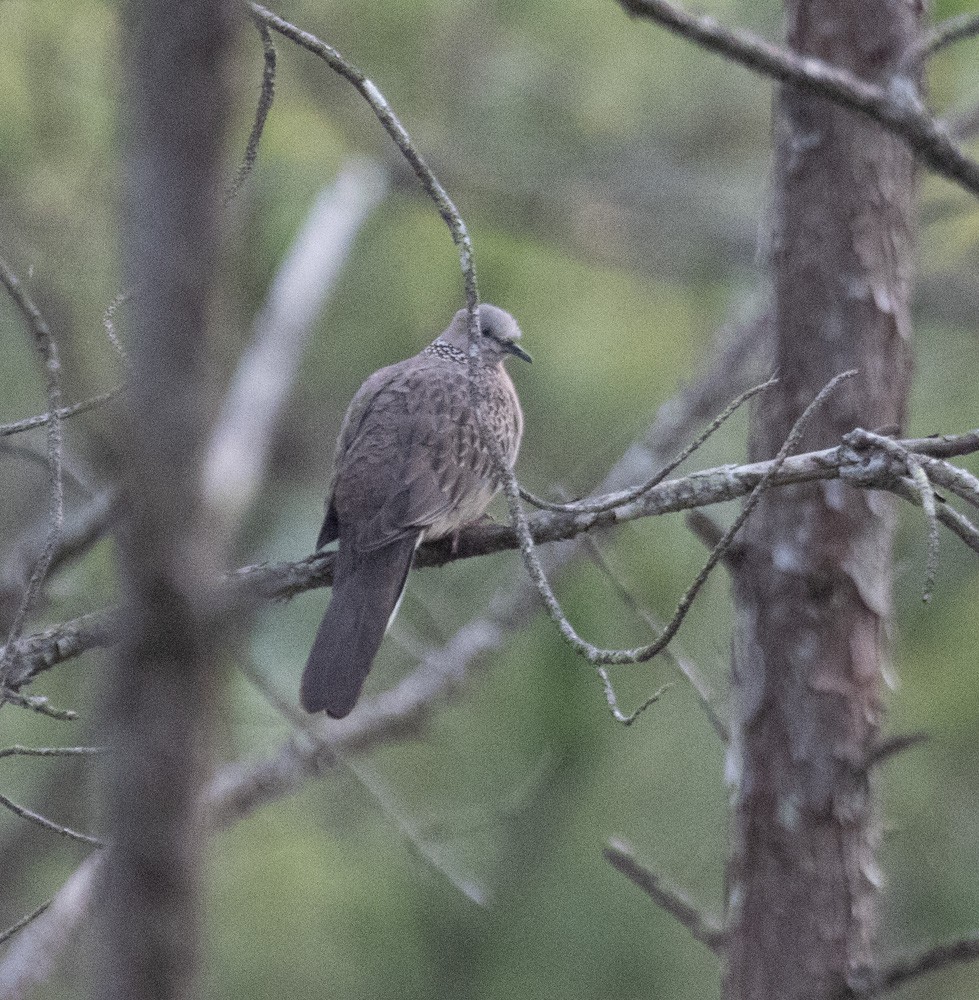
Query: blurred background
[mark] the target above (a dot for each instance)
(614, 180)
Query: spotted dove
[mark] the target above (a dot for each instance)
(411, 465)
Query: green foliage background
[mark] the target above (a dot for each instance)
(614, 181)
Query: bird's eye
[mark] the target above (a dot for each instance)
(486, 332)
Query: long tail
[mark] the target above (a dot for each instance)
(366, 589)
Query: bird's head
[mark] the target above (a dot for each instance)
(499, 334)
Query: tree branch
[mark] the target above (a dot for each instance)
(43, 419)
(705, 929)
(64, 831)
(47, 347)
(898, 107)
(904, 970)
(955, 29)
(866, 469)
(261, 113)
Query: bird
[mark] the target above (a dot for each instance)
(411, 465)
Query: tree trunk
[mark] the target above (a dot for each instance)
(813, 589)
(157, 698)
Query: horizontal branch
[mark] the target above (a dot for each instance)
(43, 419)
(866, 469)
(898, 107)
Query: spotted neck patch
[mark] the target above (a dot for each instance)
(441, 349)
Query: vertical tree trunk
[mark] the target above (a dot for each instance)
(813, 590)
(157, 694)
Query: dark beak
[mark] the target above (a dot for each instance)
(514, 348)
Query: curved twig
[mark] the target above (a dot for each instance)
(261, 113)
(620, 499)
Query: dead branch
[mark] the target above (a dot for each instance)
(265, 99)
(898, 107)
(950, 31)
(874, 470)
(47, 347)
(705, 929)
(32, 817)
(888, 978)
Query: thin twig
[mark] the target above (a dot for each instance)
(379, 105)
(897, 107)
(705, 929)
(961, 482)
(47, 347)
(261, 113)
(23, 922)
(43, 419)
(672, 653)
(37, 703)
(620, 499)
(328, 754)
(108, 324)
(29, 455)
(64, 831)
(957, 523)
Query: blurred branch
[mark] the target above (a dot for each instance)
(705, 929)
(883, 980)
(889, 748)
(871, 469)
(23, 922)
(34, 952)
(19, 751)
(81, 530)
(251, 410)
(954, 29)
(897, 107)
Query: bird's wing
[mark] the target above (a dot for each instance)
(405, 455)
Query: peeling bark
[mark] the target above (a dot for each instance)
(813, 595)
